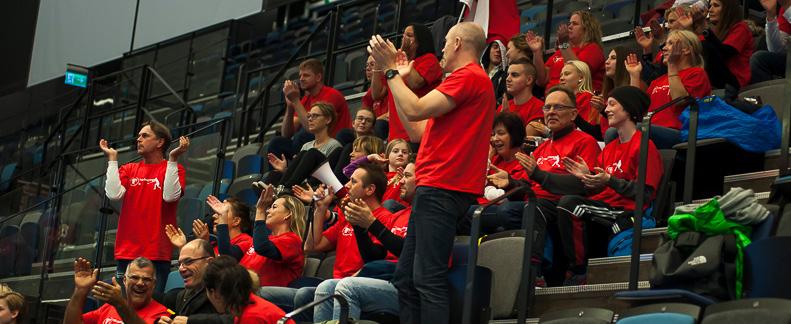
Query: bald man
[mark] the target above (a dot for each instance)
(454, 122)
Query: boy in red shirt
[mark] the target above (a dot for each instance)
(609, 207)
(519, 84)
(136, 307)
(451, 164)
(150, 190)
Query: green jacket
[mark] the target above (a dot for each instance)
(709, 219)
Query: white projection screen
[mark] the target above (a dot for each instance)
(88, 32)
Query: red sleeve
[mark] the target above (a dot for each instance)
(592, 55)
(332, 233)
(739, 37)
(499, 108)
(368, 99)
(91, 317)
(123, 173)
(697, 83)
(783, 24)
(290, 247)
(454, 86)
(428, 68)
(655, 167)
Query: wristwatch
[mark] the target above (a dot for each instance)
(391, 73)
(564, 45)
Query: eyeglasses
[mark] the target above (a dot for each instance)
(188, 262)
(135, 278)
(314, 116)
(556, 107)
(364, 119)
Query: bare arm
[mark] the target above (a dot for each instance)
(378, 90)
(316, 242)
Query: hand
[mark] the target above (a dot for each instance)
(527, 162)
(175, 235)
(657, 31)
(84, 276)
(685, 19)
(563, 33)
(645, 41)
(577, 167)
(505, 104)
(184, 144)
(771, 8)
(378, 158)
(108, 293)
(324, 197)
(404, 65)
(598, 103)
(674, 58)
(218, 207)
(200, 229)
(596, 181)
(499, 178)
(534, 42)
(164, 320)
(280, 164)
(633, 65)
(358, 213)
(383, 51)
(111, 153)
(291, 91)
(266, 199)
(304, 194)
(538, 127)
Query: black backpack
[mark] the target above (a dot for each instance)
(705, 265)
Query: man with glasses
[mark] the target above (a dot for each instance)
(191, 300)
(546, 168)
(133, 305)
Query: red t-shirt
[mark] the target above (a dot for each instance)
(740, 38)
(455, 146)
(331, 96)
(428, 67)
(549, 156)
(589, 53)
(260, 311)
(244, 241)
(398, 224)
(378, 106)
(393, 191)
(620, 160)
(584, 108)
(108, 315)
(273, 272)
(141, 225)
(783, 24)
(513, 168)
(695, 81)
(341, 235)
(528, 111)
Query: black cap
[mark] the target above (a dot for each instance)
(633, 100)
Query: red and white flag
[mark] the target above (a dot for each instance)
(499, 18)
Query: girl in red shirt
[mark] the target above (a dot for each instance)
(397, 153)
(580, 39)
(231, 225)
(615, 75)
(576, 76)
(729, 43)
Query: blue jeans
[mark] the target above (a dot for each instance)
(289, 299)
(162, 269)
(421, 276)
(663, 137)
(496, 218)
(322, 312)
(367, 295)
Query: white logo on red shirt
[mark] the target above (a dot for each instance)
(250, 251)
(557, 59)
(112, 321)
(665, 89)
(134, 182)
(554, 160)
(347, 231)
(615, 167)
(400, 231)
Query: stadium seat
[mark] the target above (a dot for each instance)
(251, 164)
(746, 311)
(669, 313)
(326, 267)
(175, 281)
(248, 196)
(6, 175)
(770, 93)
(189, 210)
(502, 254)
(242, 183)
(578, 315)
(311, 267)
(766, 268)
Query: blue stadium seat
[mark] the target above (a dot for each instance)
(251, 164)
(228, 169)
(670, 313)
(189, 210)
(248, 196)
(6, 175)
(175, 281)
(192, 190)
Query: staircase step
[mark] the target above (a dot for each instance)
(594, 295)
(616, 269)
(760, 181)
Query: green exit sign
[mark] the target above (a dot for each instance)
(76, 76)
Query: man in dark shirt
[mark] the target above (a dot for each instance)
(191, 299)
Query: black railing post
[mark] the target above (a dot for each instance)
(527, 283)
(692, 148)
(399, 15)
(785, 136)
(141, 97)
(331, 39)
(636, 18)
(220, 158)
(548, 24)
(634, 266)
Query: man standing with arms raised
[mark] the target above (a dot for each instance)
(455, 121)
(150, 190)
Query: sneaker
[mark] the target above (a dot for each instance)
(573, 279)
(540, 282)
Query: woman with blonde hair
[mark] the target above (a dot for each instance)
(577, 77)
(683, 55)
(12, 307)
(580, 39)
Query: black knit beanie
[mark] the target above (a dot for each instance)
(633, 100)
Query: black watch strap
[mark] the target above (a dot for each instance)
(391, 73)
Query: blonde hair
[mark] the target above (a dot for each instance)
(369, 144)
(585, 85)
(591, 25)
(16, 303)
(298, 213)
(328, 111)
(392, 144)
(689, 40)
